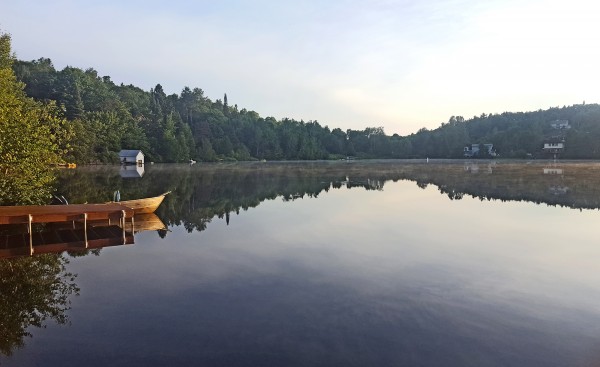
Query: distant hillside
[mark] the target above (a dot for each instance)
(517, 135)
(106, 117)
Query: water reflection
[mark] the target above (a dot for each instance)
(389, 274)
(73, 236)
(132, 171)
(203, 192)
(35, 286)
(33, 290)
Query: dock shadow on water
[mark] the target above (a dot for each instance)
(375, 263)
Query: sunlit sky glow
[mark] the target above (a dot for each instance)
(351, 64)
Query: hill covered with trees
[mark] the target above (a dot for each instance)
(106, 117)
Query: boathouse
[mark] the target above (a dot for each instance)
(131, 157)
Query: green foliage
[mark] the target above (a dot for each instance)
(33, 136)
(514, 135)
(176, 128)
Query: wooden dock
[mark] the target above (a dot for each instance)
(78, 215)
(26, 214)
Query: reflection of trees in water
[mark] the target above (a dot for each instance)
(33, 290)
(573, 185)
(202, 192)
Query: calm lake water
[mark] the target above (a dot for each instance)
(382, 263)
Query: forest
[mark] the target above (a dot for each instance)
(105, 117)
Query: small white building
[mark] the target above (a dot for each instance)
(131, 157)
(558, 146)
(560, 124)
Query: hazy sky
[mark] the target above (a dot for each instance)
(398, 64)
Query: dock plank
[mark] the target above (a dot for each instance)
(62, 213)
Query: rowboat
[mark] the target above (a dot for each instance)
(144, 205)
(28, 214)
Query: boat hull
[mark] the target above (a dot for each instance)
(145, 205)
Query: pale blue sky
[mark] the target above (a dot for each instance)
(349, 64)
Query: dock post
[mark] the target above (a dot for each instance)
(85, 236)
(123, 214)
(30, 219)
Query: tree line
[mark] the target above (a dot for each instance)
(104, 117)
(107, 117)
(515, 134)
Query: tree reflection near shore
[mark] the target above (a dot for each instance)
(201, 193)
(33, 291)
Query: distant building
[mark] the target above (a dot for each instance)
(131, 157)
(554, 147)
(560, 124)
(473, 150)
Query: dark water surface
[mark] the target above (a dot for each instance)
(339, 264)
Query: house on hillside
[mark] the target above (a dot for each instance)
(560, 124)
(554, 146)
(131, 157)
(474, 150)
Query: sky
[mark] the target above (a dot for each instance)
(399, 64)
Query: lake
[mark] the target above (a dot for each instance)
(358, 263)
